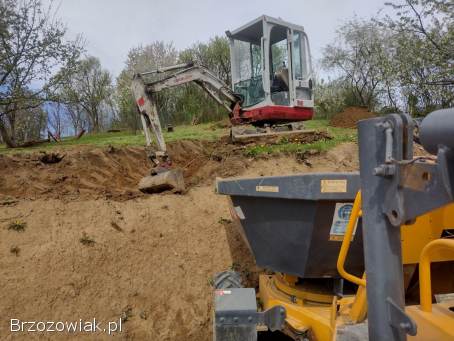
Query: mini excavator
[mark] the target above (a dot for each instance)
(271, 92)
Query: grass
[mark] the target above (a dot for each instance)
(18, 226)
(338, 135)
(206, 131)
(224, 221)
(126, 314)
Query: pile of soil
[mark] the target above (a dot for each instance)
(350, 117)
(87, 172)
(113, 173)
(149, 260)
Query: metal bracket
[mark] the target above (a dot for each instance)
(419, 187)
(273, 318)
(399, 319)
(414, 187)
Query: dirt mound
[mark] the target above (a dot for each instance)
(113, 173)
(203, 161)
(350, 117)
(95, 172)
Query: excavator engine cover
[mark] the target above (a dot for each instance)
(167, 180)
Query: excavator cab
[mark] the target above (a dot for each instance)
(271, 71)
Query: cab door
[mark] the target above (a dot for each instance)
(301, 70)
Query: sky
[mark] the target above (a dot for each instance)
(112, 27)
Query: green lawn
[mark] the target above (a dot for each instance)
(338, 135)
(207, 131)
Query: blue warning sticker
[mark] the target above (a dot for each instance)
(341, 218)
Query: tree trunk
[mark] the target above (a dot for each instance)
(93, 115)
(6, 137)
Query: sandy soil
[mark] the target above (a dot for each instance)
(92, 246)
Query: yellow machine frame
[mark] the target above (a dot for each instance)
(319, 315)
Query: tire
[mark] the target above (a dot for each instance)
(227, 280)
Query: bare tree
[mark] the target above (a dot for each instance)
(430, 19)
(32, 48)
(399, 61)
(356, 54)
(77, 117)
(90, 89)
(141, 59)
(423, 32)
(29, 124)
(55, 119)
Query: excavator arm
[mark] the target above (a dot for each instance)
(162, 176)
(148, 112)
(190, 72)
(144, 91)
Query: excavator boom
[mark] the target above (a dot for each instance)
(201, 76)
(143, 92)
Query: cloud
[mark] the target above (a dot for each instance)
(113, 27)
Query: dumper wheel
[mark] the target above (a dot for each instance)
(227, 280)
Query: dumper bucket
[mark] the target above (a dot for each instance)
(295, 224)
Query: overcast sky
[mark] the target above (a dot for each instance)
(112, 27)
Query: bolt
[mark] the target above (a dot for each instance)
(385, 170)
(405, 326)
(249, 318)
(379, 170)
(235, 319)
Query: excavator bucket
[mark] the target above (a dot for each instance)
(168, 180)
